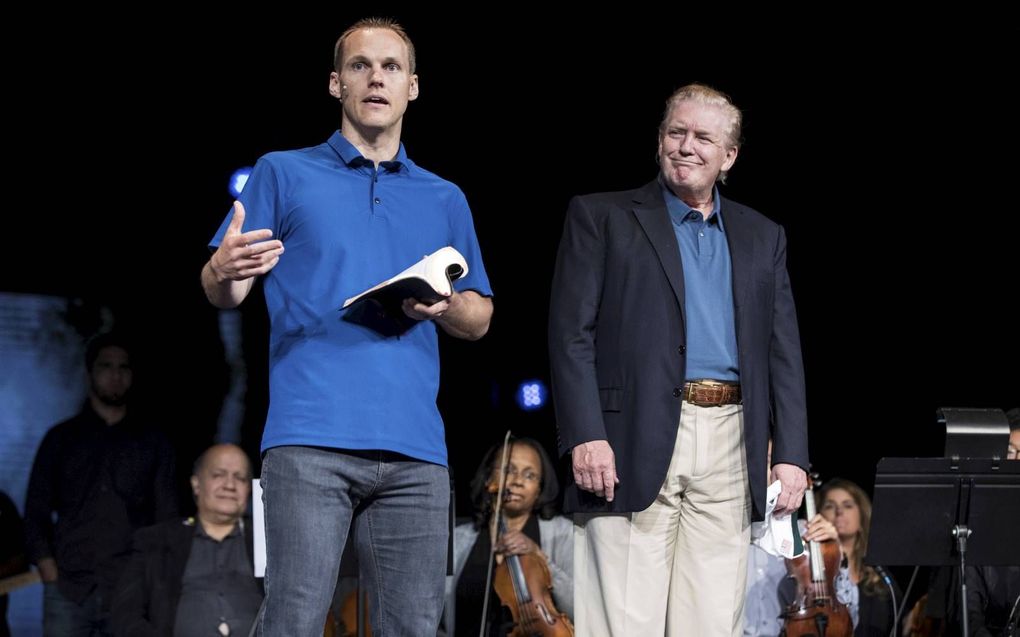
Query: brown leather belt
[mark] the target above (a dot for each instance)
(711, 393)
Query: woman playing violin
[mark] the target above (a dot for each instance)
(531, 528)
(860, 587)
(762, 608)
(848, 507)
(766, 572)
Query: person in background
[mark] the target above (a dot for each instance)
(869, 590)
(13, 559)
(103, 474)
(195, 576)
(1013, 449)
(533, 527)
(993, 592)
(766, 572)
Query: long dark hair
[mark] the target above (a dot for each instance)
(870, 581)
(484, 501)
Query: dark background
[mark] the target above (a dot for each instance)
(887, 152)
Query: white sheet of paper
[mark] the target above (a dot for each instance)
(258, 518)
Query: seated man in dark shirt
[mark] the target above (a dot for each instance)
(195, 576)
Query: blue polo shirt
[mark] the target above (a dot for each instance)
(345, 227)
(708, 290)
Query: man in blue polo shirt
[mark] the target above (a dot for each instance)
(353, 433)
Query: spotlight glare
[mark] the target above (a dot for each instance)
(532, 395)
(238, 180)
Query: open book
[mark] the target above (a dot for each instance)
(429, 280)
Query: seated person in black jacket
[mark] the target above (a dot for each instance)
(993, 597)
(993, 592)
(195, 576)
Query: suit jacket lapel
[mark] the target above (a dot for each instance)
(177, 551)
(741, 244)
(650, 210)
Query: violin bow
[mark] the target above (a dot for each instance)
(503, 462)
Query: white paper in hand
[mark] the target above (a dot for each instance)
(775, 535)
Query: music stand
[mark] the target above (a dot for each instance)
(925, 509)
(974, 433)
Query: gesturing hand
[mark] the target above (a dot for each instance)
(244, 255)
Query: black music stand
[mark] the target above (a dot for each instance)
(974, 433)
(926, 509)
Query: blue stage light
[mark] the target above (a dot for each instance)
(532, 395)
(238, 180)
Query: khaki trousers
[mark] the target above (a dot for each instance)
(678, 567)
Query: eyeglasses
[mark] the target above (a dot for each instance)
(527, 475)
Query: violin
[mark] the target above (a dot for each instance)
(346, 623)
(920, 625)
(816, 611)
(523, 583)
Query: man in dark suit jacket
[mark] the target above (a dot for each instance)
(195, 576)
(675, 354)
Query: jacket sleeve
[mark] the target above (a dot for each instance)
(41, 501)
(786, 369)
(573, 315)
(977, 602)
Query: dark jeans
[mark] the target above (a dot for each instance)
(399, 507)
(63, 617)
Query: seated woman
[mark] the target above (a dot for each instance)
(532, 528)
(848, 507)
(767, 573)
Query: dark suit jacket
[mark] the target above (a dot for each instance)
(617, 341)
(992, 592)
(145, 601)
